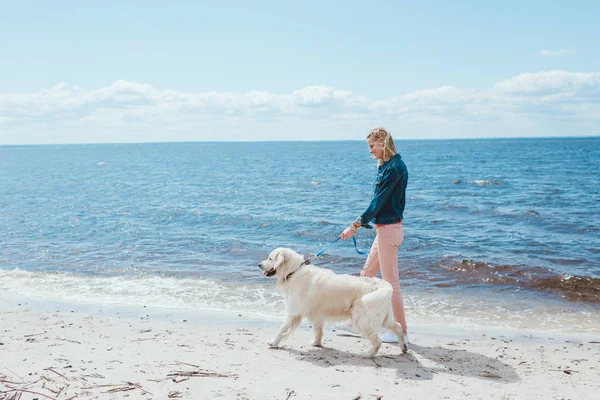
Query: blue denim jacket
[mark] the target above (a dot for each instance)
(389, 193)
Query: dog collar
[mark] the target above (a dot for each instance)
(306, 262)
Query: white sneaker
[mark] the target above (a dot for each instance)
(388, 337)
(344, 326)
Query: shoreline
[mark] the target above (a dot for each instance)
(112, 352)
(202, 317)
(454, 308)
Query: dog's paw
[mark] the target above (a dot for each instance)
(368, 354)
(404, 349)
(316, 344)
(273, 343)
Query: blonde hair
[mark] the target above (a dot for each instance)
(382, 136)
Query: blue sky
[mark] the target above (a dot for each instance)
(80, 72)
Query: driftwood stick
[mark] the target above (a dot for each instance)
(4, 380)
(57, 373)
(151, 338)
(32, 392)
(69, 340)
(202, 374)
(35, 334)
(13, 372)
(566, 371)
(137, 385)
(184, 363)
(56, 392)
(31, 383)
(289, 394)
(99, 386)
(14, 396)
(94, 375)
(121, 389)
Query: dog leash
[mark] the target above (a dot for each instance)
(335, 241)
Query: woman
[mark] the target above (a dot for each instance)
(387, 208)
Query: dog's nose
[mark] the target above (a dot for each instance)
(259, 265)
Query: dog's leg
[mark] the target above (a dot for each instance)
(373, 336)
(290, 324)
(375, 345)
(395, 327)
(318, 330)
(364, 323)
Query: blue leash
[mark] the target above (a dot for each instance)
(335, 241)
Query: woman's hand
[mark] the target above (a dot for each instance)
(348, 233)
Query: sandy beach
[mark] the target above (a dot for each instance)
(75, 351)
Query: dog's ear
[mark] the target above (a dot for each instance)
(279, 259)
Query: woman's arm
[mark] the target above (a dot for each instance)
(383, 191)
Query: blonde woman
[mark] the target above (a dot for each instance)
(386, 208)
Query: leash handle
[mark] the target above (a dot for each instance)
(335, 241)
(356, 247)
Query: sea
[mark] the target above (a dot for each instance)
(498, 232)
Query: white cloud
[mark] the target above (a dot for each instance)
(552, 82)
(542, 103)
(557, 53)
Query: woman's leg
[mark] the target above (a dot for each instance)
(371, 267)
(389, 238)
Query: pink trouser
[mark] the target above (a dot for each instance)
(384, 256)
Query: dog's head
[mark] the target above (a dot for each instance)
(280, 262)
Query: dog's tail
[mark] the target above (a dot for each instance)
(379, 299)
(372, 309)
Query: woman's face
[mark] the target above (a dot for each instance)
(376, 148)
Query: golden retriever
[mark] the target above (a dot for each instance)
(320, 295)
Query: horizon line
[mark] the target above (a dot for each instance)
(593, 136)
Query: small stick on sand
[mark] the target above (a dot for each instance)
(30, 391)
(137, 385)
(13, 372)
(69, 340)
(57, 373)
(35, 334)
(121, 389)
(99, 386)
(4, 380)
(566, 371)
(202, 374)
(184, 363)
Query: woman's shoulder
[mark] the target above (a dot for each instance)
(398, 164)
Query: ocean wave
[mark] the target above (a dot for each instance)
(262, 300)
(569, 287)
(169, 292)
(483, 182)
(480, 182)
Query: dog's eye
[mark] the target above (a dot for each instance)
(269, 258)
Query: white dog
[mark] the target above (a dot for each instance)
(320, 295)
